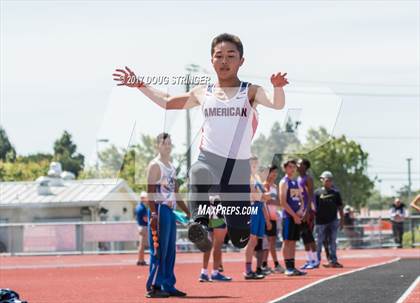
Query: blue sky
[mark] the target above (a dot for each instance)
(57, 58)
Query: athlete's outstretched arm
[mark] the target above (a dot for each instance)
(128, 78)
(277, 100)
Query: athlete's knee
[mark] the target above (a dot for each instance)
(199, 174)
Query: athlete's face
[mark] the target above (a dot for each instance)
(226, 60)
(290, 169)
(165, 147)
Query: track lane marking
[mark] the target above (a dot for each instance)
(409, 290)
(330, 278)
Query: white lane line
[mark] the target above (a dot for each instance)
(409, 290)
(332, 277)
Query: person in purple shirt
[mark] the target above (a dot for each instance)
(306, 183)
(292, 202)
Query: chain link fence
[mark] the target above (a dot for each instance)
(122, 237)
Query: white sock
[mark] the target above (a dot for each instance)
(204, 271)
(314, 256)
(214, 272)
(309, 256)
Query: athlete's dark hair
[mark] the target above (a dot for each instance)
(306, 162)
(162, 136)
(272, 167)
(225, 37)
(287, 162)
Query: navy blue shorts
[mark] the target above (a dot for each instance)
(291, 230)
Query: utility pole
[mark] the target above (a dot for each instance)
(409, 180)
(191, 68)
(97, 153)
(409, 200)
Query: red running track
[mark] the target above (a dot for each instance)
(114, 278)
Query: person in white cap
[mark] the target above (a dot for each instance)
(327, 203)
(142, 219)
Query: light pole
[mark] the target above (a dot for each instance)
(97, 152)
(409, 199)
(409, 179)
(190, 68)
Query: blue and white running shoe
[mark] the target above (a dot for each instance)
(220, 277)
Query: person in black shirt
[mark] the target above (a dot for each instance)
(398, 213)
(327, 203)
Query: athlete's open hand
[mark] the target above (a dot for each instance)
(279, 80)
(127, 77)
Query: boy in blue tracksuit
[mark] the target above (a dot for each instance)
(162, 190)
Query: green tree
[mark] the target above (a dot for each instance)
(22, 170)
(38, 157)
(345, 159)
(271, 149)
(130, 164)
(376, 201)
(65, 153)
(7, 151)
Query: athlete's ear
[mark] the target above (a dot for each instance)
(242, 61)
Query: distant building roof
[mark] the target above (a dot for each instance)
(71, 193)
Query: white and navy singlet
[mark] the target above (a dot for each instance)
(229, 125)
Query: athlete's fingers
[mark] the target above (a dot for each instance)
(121, 71)
(117, 75)
(284, 75)
(129, 70)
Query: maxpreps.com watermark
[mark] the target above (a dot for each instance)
(219, 209)
(169, 80)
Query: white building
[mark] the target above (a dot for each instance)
(59, 198)
(66, 201)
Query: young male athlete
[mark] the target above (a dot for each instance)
(258, 220)
(230, 120)
(162, 195)
(292, 202)
(217, 229)
(272, 205)
(306, 183)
